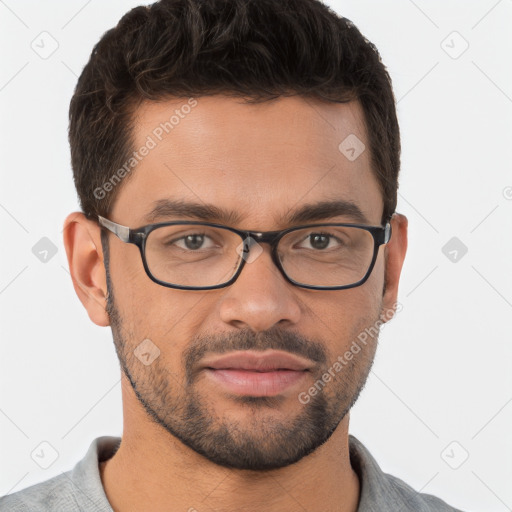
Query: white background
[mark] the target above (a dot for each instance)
(442, 372)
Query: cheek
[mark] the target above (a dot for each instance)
(344, 315)
(149, 310)
(169, 317)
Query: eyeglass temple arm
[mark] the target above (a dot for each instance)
(387, 232)
(122, 232)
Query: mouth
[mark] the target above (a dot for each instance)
(250, 373)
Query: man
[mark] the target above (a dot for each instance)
(236, 163)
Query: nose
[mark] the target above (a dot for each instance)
(261, 297)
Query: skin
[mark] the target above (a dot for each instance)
(259, 161)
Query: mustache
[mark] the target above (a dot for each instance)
(276, 339)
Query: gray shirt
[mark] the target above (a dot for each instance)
(80, 489)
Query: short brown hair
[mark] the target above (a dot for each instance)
(255, 49)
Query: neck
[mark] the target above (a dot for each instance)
(152, 466)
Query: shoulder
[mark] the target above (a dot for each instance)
(55, 494)
(382, 492)
(410, 499)
(75, 490)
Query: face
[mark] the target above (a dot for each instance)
(258, 163)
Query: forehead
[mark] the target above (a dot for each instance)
(258, 160)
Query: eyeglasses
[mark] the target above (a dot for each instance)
(190, 255)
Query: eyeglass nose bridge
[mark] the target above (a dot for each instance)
(268, 237)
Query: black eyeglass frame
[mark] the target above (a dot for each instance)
(138, 236)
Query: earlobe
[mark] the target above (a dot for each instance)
(82, 241)
(395, 255)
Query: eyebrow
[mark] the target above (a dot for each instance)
(323, 210)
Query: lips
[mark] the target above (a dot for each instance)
(250, 373)
(258, 361)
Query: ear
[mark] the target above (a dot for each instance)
(395, 254)
(82, 241)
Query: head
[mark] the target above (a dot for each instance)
(255, 109)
